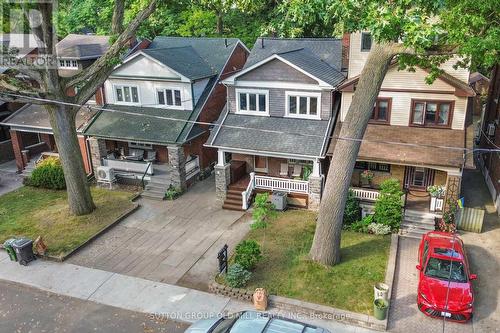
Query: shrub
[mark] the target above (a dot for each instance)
(379, 229)
(389, 205)
(172, 193)
(263, 211)
(48, 174)
(247, 254)
(237, 276)
(362, 225)
(352, 211)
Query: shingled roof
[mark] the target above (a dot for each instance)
(82, 46)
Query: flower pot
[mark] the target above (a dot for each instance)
(365, 182)
(380, 308)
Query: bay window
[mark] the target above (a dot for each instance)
(303, 105)
(169, 97)
(127, 94)
(252, 101)
(431, 113)
(381, 111)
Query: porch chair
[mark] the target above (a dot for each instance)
(150, 156)
(284, 169)
(297, 170)
(135, 154)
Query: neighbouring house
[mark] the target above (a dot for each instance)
(280, 112)
(160, 103)
(489, 138)
(423, 117)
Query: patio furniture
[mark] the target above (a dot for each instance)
(135, 154)
(284, 169)
(297, 170)
(150, 156)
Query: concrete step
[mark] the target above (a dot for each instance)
(157, 187)
(416, 219)
(411, 235)
(153, 194)
(416, 213)
(421, 226)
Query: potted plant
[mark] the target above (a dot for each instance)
(366, 178)
(380, 307)
(448, 222)
(437, 197)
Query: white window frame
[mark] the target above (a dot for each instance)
(252, 91)
(167, 106)
(303, 94)
(68, 64)
(140, 145)
(116, 86)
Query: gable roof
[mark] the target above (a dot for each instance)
(75, 46)
(184, 60)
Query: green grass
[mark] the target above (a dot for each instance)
(285, 269)
(33, 212)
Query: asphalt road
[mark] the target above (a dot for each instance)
(24, 309)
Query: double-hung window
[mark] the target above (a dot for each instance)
(169, 97)
(68, 64)
(366, 42)
(303, 105)
(127, 94)
(252, 101)
(431, 113)
(381, 110)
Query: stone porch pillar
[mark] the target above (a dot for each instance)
(17, 146)
(98, 151)
(177, 160)
(222, 176)
(315, 190)
(453, 183)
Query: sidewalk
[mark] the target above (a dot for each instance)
(132, 293)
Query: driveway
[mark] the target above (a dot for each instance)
(175, 242)
(9, 179)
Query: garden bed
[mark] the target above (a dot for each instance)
(32, 212)
(285, 269)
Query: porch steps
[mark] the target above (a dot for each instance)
(233, 200)
(156, 187)
(415, 224)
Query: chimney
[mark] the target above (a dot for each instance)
(346, 38)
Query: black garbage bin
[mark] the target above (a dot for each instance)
(24, 250)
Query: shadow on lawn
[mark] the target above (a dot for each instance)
(370, 247)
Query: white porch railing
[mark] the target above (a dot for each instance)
(246, 194)
(365, 194)
(282, 184)
(128, 166)
(192, 167)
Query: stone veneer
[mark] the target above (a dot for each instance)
(177, 160)
(97, 152)
(222, 180)
(315, 186)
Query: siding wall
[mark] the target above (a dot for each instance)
(276, 70)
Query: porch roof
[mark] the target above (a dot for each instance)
(421, 156)
(34, 118)
(287, 136)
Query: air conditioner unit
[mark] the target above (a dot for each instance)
(491, 129)
(105, 173)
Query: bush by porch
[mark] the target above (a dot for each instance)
(33, 212)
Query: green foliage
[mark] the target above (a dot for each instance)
(362, 225)
(172, 193)
(263, 211)
(247, 254)
(306, 172)
(389, 205)
(379, 229)
(237, 276)
(352, 211)
(48, 174)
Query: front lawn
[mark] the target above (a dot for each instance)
(33, 212)
(286, 271)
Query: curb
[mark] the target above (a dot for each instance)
(389, 274)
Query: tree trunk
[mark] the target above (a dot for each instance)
(220, 23)
(62, 120)
(117, 20)
(326, 244)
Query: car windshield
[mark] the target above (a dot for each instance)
(440, 269)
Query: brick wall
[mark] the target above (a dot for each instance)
(17, 146)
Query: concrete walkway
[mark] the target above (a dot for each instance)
(131, 293)
(9, 179)
(174, 242)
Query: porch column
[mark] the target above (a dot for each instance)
(453, 183)
(17, 146)
(316, 171)
(222, 176)
(177, 160)
(98, 151)
(315, 190)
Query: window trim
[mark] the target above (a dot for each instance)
(363, 49)
(140, 145)
(70, 62)
(115, 86)
(389, 109)
(299, 94)
(376, 169)
(166, 106)
(252, 91)
(438, 102)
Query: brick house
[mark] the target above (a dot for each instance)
(280, 111)
(410, 111)
(146, 131)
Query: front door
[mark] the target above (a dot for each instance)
(418, 178)
(260, 164)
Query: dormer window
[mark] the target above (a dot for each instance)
(127, 94)
(68, 64)
(251, 101)
(169, 97)
(303, 105)
(366, 41)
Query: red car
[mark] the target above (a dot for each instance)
(444, 283)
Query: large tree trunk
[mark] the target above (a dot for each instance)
(62, 119)
(326, 244)
(117, 21)
(220, 22)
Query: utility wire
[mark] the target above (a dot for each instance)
(415, 145)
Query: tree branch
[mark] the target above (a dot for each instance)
(117, 22)
(107, 61)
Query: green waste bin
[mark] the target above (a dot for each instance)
(10, 251)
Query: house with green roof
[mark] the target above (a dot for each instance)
(159, 104)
